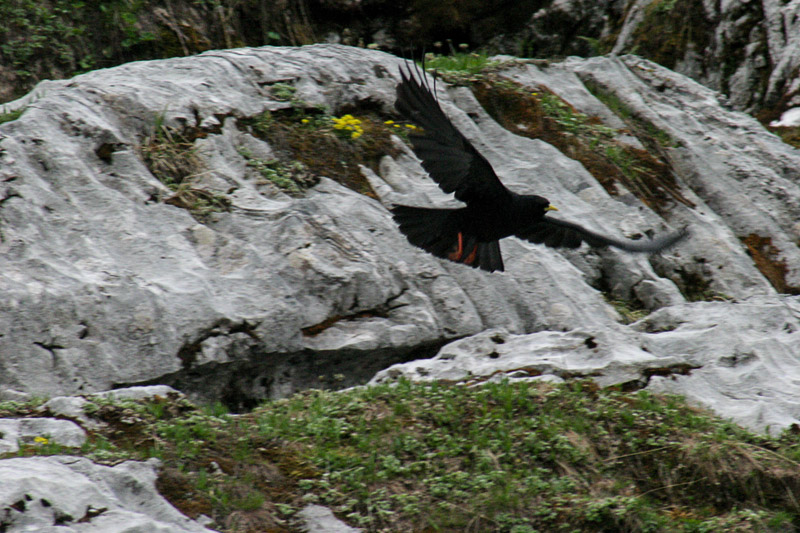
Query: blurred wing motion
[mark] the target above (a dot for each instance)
(557, 233)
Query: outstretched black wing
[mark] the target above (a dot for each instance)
(446, 154)
(557, 233)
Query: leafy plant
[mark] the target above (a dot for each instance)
(283, 91)
(291, 178)
(309, 142)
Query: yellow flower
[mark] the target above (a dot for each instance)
(305, 121)
(411, 126)
(389, 122)
(349, 123)
(40, 440)
(397, 125)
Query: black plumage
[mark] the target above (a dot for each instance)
(470, 235)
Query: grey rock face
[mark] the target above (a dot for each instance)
(739, 360)
(748, 50)
(737, 172)
(319, 519)
(71, 494)
(27, 430)
(105, 285)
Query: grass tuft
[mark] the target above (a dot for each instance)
(8, 116)
(171, 157)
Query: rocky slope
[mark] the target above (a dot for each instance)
(228, 286)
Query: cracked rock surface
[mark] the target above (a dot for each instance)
(106, 285)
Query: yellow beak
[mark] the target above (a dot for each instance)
(551, 208)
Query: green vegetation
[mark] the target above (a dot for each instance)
(171, 157)
(58, 37)
(629, 311)
(695, 287)
(541, 114)
(306, 140)
(309, 141)
(669, 29)
(510, 457)
(16, 408)
(284, 92)
(571, 120)
(292, 178)
(468, 63)
(790, 135)
(664, 6)
(8, 116)
(461, 68)
(645, 130)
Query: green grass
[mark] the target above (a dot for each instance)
(470, 63)
(460, 68)
(790, 135)
(8, 116)
(503, 456)
(629, 311)
(648, 130)
(573, 121)
(500, 457)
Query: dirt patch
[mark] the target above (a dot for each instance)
(766, 256)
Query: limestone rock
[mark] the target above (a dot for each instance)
(38, 431)
(105, 285)
(319, 519)
(71, 494)
(737, 359)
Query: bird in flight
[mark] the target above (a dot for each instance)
(471, 235)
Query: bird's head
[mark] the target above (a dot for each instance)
(538, 205)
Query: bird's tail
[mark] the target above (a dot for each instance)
(436, 231)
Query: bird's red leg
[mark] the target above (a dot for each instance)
(472, 255)
(456, 256)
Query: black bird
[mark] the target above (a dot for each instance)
(470, 235)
